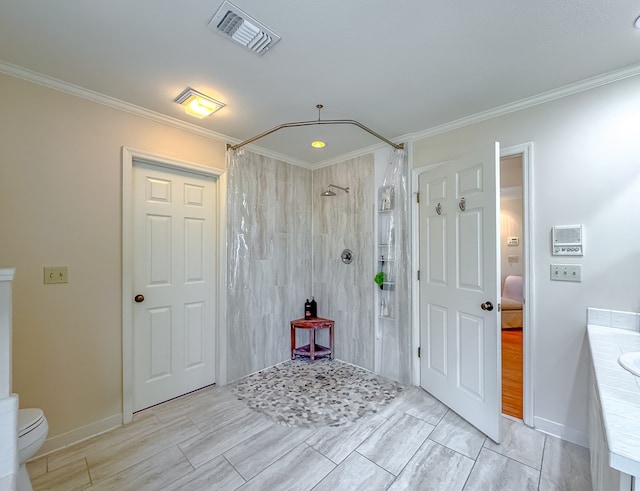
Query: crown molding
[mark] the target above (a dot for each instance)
(105, 100)
(565, 91)
(276, 156)
(559, 93)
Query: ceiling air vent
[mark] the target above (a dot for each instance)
(240, 27)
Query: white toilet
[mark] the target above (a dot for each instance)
(32, 432)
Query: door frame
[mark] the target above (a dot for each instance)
(526, 150)
(129, 155)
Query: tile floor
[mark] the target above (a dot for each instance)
(210, 440)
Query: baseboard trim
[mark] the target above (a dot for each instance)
(79, 434)
(563, 432)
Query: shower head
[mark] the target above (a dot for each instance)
(328, 192)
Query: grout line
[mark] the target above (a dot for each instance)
(512, 459)
(234, 467)
(544, 448)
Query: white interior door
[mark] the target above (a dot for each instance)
(460, 341)
(174, 226)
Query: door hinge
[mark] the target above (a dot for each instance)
(417, 197)
(418, 275)
(418, 352)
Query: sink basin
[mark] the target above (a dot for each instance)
(631, 361)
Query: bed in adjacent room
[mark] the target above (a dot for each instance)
(512, 302)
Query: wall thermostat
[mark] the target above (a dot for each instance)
(567, 240)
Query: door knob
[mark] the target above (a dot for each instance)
(487, 306)
(140, 298)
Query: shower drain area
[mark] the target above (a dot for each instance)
(316, 394)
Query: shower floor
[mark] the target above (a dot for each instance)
(320, 393)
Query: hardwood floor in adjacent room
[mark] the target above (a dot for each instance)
(512, 372)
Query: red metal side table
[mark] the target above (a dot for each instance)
(312, 350)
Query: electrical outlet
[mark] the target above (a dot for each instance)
(566, 272)
(55, 274)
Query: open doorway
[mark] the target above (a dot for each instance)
(512, 247)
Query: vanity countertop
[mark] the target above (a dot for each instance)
(619, 392)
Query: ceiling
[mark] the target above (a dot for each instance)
(397, 67)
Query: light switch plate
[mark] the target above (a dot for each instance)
(55, 274)
(566, 272)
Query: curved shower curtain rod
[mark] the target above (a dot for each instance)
(397, 146)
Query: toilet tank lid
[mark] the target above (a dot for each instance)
(28, 418)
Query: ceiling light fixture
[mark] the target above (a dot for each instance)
(637, 24)
(318, 144)
(198, 104)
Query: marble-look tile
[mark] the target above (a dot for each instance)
(151, 474)
(206, 446)
(269, 230)
(216, 474)
(337, 443)
(356, 472)
(37, 467)
(393, 444)
(215, 414)
(144, 426)
(104, 462)
(565, 466)
(192, 404)
(624, 320)
(598, 317)
(70, 477)
(346, 221)
(617, 379)
(455, 433)
(434, 468)
(260, 451)
(519, 442)
(301, 469)
(623, 415)
(495, 471)
(422, 405)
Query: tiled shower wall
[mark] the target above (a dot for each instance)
(276, 259)
(344, 292)
(268, 258)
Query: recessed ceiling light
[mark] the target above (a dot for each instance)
(198, 104)
(638, 23)
(318, 144)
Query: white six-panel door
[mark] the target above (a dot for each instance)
(174, 226)
(460, 355)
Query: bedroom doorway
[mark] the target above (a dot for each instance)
(512, 267)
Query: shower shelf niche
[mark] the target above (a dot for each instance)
(386, 297)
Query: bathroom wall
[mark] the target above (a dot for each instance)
(269, 260)
(344, 292)
(585, 171)
(61, 205)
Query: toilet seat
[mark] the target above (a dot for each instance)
(28, 421)
(32, 432)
